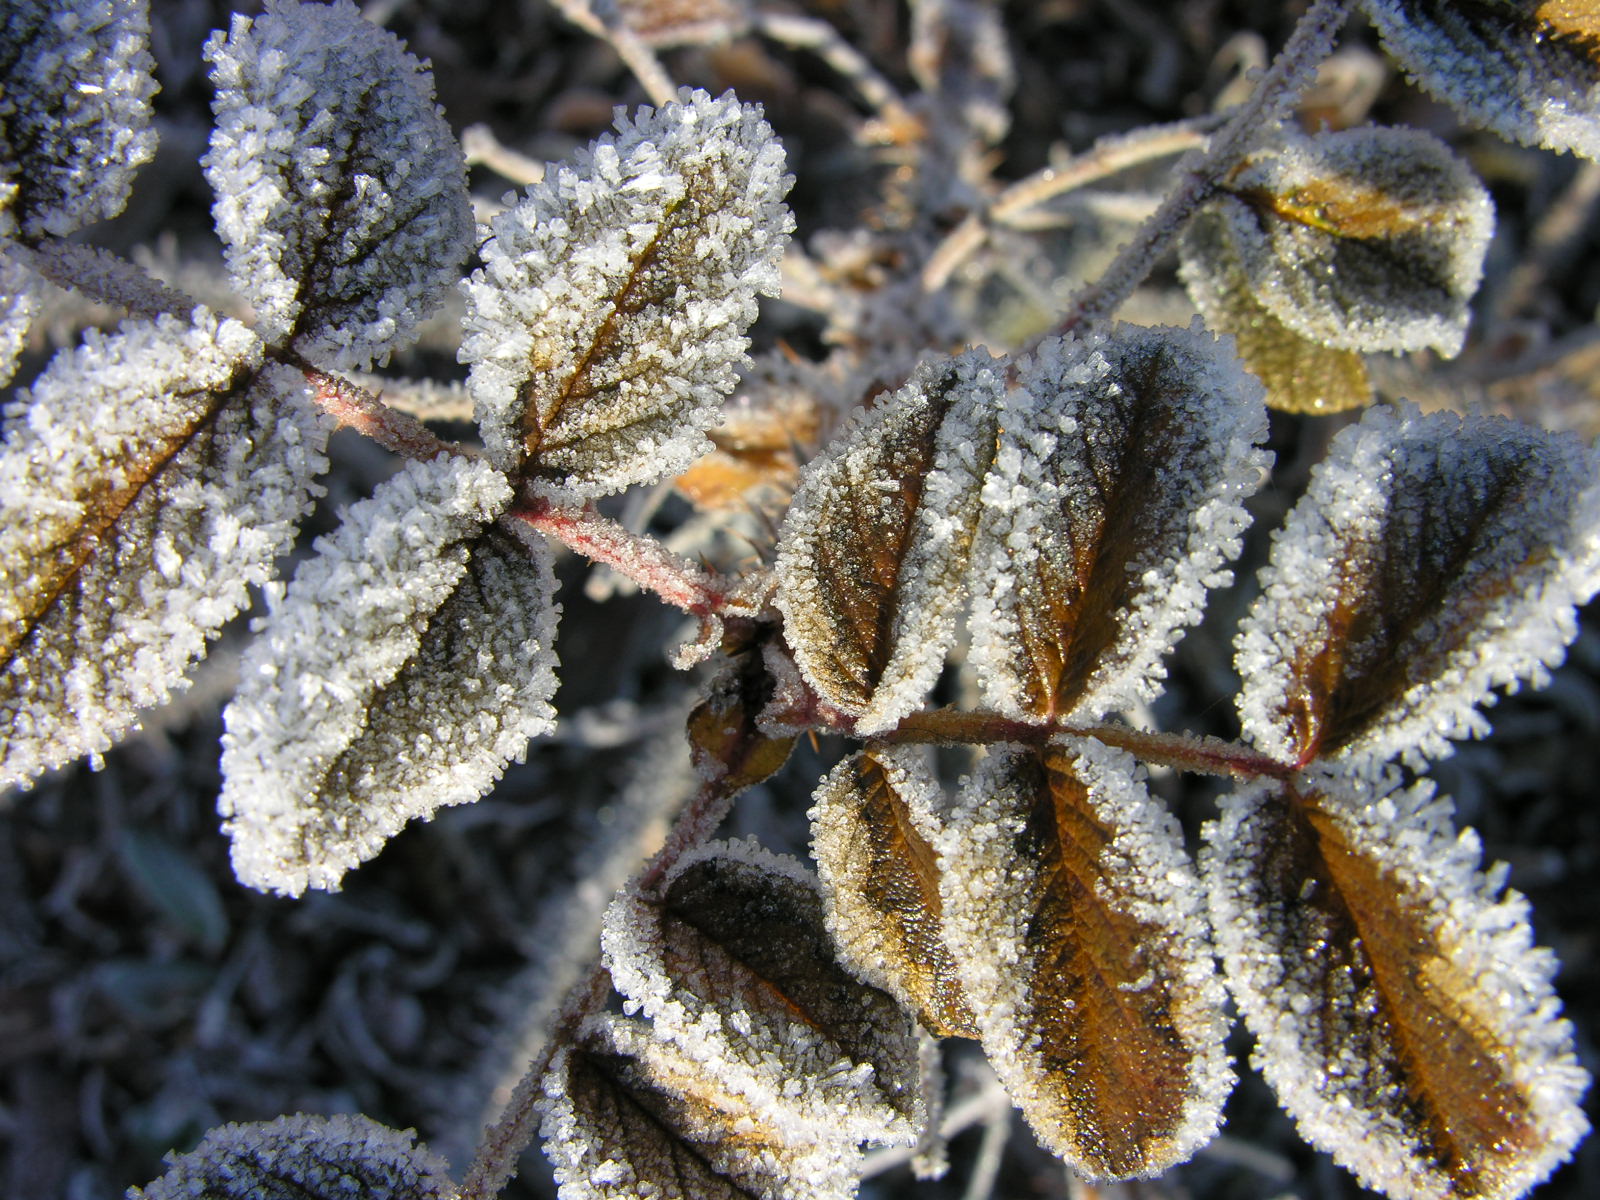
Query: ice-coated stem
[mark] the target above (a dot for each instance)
(1200, 172)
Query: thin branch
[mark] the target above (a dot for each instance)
(356, 408)
(1203, 170)
(638, 557)
(631, 49)
(823, 40)
(1108, 156)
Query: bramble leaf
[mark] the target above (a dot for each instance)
(734, 965)
(871, 830)
(1301, 375)
(341, 193)
(75, 89)
(1113, 502)
(1431, 560)
(1078, 928)
(1400, 1009)
(406, 665)
(872, 559)
(1364, 239)
(19, 304)
(304, 1158)
(146, 480)
(628, 1115)
(609, 318)
(1527, 69)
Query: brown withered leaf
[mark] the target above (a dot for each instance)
(1300, 375)
(734, 965)
(1399, 1007)
(1431, 560)
(725, 742)
(626, 1114)
(1078, 929)
(1365, 239)
(870, 829)
(872, 558)
(1113, 503)
(1527, 69)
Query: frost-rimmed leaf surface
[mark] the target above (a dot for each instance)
(75, 87)
(19, 304)
(304, 1158)
(734, 965)
(1078, 927)
(1430, 560)
(1301, 375)
(146, 479)
(341, 193)
(609, 318)
(626, 1114)
(1527, 70)
(873, 822)
(1113, 502)
(1363, 239)
(872, 558)
(1400, 1008)
(405, 666)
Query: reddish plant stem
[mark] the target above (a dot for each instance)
(356, 408)
(640, 558)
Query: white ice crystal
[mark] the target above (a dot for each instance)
(609, 318)
(405, 666)
(147, 478)
(75, 89)
(341, 193)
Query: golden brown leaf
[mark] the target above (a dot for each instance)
(725, 743)
(1398, 1005)
(872, 559)
(870, 827)
(1076, 923)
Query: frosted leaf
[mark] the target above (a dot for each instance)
(726, 742)
(1364, 239)
(19, 304)
(609, 318)
(872, 824)
(304, 1158)
(1079, 930)
(734, 965)
(341, 193)
(75, 89)
(147, 478)
(872, 558)
(1400, 1008)
(1113, 504)
(1527, 70)
(408, 662)
(1300, 375)
(627, 1115)
(1431, 560)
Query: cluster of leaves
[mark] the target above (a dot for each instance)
(1061, 514)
